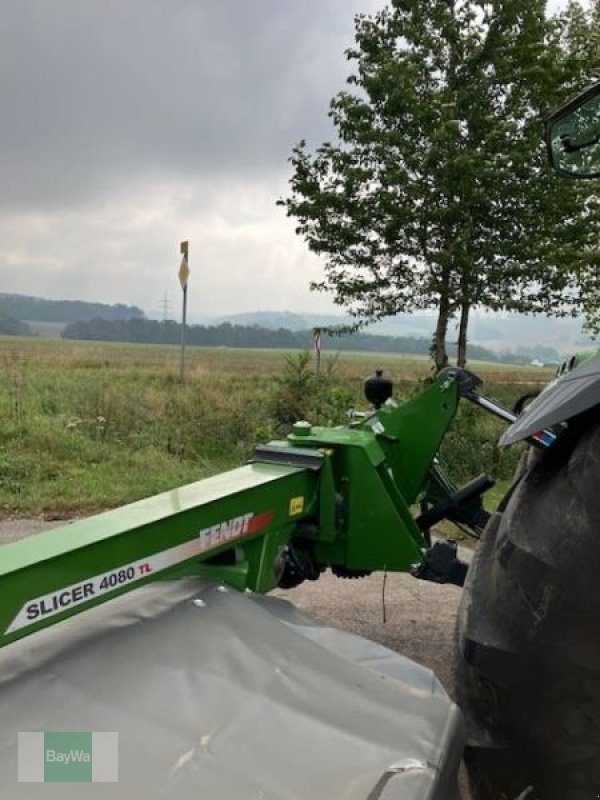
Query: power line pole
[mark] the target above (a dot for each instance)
(166, 307)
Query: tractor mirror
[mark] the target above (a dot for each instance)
(573, 135)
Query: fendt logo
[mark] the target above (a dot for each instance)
(234, 528)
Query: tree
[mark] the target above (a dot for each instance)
(580, 32)
(436, 193)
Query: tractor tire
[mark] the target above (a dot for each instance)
(528, 671)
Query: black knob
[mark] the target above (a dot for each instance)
(378, 388)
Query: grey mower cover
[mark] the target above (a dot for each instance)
(218, 695)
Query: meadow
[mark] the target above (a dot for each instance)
(87, 426)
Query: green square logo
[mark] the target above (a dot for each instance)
(67, 757)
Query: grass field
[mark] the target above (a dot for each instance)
(85, 426)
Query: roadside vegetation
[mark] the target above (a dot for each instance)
(86, 426)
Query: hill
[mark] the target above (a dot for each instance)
(13, 327)
(39, 309)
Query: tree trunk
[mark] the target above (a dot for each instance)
(440, 356)
(461, 358)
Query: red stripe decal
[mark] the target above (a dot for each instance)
(260, 522)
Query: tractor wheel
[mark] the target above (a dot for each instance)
(528, 673)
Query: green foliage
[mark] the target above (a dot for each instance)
(302, 395)
(297, 390)
(436, 192)
(470, 446)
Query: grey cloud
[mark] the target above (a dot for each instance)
(97, 94)
(128, 125)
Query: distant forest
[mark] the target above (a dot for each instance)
(37, 309)
(13, 327)
(227, 335)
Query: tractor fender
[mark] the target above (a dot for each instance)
(576, 390)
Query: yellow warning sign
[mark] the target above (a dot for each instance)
(296, 506)
(184, 272)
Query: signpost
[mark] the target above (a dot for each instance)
(317, 341)
(184, 274)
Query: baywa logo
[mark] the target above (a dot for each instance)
(68, 757)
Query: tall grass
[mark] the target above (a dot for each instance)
(89, 426)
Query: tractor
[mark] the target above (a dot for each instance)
(528, 671)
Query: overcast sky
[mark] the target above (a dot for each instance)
(128, 125)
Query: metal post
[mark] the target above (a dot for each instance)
(184, 273)
(317, 339)
(184, 315)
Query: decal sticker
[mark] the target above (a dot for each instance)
(65, 598)
(296, 506)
